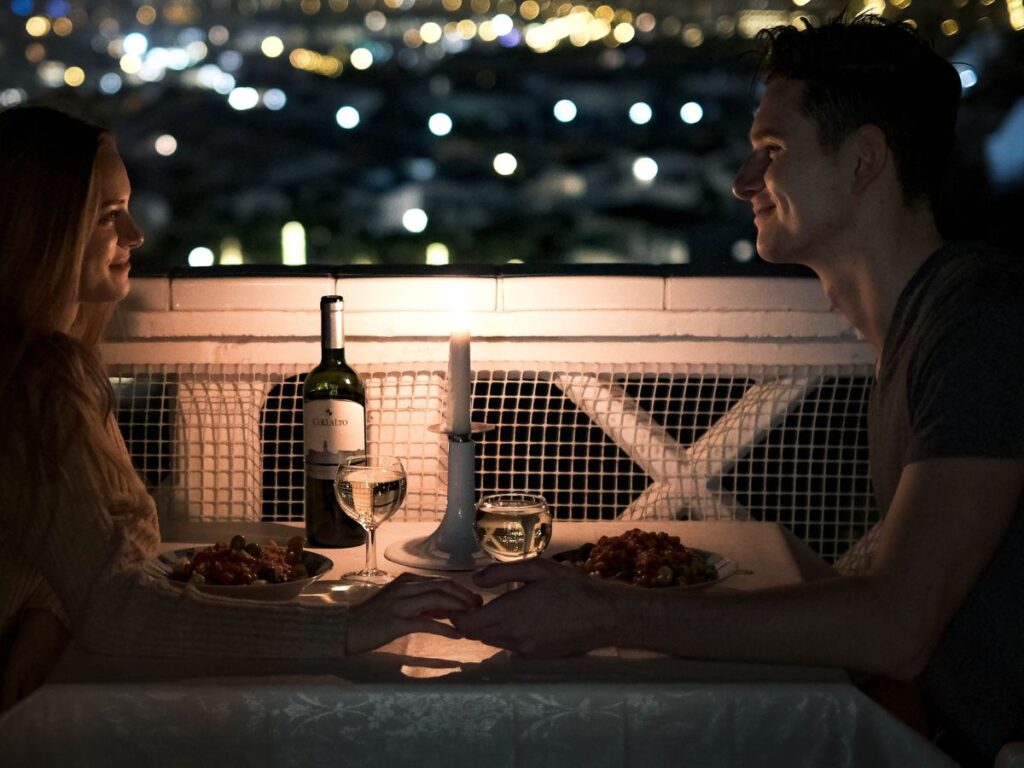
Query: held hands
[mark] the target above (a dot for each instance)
(410, 603)
(558, 611)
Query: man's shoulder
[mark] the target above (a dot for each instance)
(972, 275)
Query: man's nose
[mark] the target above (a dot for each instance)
(750, 177)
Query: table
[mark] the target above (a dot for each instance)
(424, 701)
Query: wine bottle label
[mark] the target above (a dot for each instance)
(333, 427)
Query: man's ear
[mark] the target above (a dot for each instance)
(869, 156)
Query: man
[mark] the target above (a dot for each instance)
(848, 149)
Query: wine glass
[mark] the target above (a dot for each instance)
(513, 526)
(370, 489)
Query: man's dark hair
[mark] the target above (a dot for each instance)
(873, 71)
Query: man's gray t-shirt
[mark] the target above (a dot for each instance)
(951, 384)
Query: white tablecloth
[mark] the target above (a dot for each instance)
(424, 701)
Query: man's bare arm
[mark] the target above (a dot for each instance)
(946, 521)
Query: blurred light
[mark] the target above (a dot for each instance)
(190, 35)
(243, 98)
(691, 113)
(165, 145)
(1015, 10)
(437, 254)
(135, 43)
(505, 164)
(968, 77)
(51, 73)
(197, 51)
(63, 27)
(623, 32)
(230, 61)
(422, 169)
(110, 83)
(375, 21)
(274, 99)
(802, 3)
(218, 34)
(743, 251)
(565, 111)
(293, 244)
(439, 124)
(272, 46)
(502, 24)
(641, 113)
(645, 170)
(486, 31)
(529, 10)
(415, 220)
(146, 15)
(74, 76)
(200, 257)
(35, 52)
(130, 64)
(22, 7)
(347, 117)
(11, 96)
(430, 32)
(645, 22)
(37, 26)
(231, 251)
(361, 58)
(176, 59)
(693, 35)
(950, 27)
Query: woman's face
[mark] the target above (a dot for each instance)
(114, 236)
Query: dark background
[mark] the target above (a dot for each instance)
(237, 176)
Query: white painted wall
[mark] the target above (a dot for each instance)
(555, 319)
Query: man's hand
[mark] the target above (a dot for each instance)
(37, 648)
(408, 604)
(559, 611)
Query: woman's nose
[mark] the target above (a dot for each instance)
(131, 236)
(750, 177)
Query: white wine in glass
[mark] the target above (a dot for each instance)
(513, 526)
(370, 489)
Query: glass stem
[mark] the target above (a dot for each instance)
(371, 549)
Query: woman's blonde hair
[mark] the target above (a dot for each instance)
(54, 392)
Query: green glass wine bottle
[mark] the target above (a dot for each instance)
(334, 428)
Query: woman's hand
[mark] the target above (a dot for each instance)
(559, 611)
(410, 603)
(36, 649)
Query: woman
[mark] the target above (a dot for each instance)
(76, 522)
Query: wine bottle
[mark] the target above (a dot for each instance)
(334, 428)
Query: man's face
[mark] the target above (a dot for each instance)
(793, 185)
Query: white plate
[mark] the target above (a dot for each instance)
(724, 567)
(316, 565)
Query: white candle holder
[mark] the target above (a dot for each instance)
(453, 546)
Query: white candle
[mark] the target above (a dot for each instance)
(458, 379)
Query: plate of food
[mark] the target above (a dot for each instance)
(649, 560)
(264, 570)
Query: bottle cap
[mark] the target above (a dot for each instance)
(328, 300)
